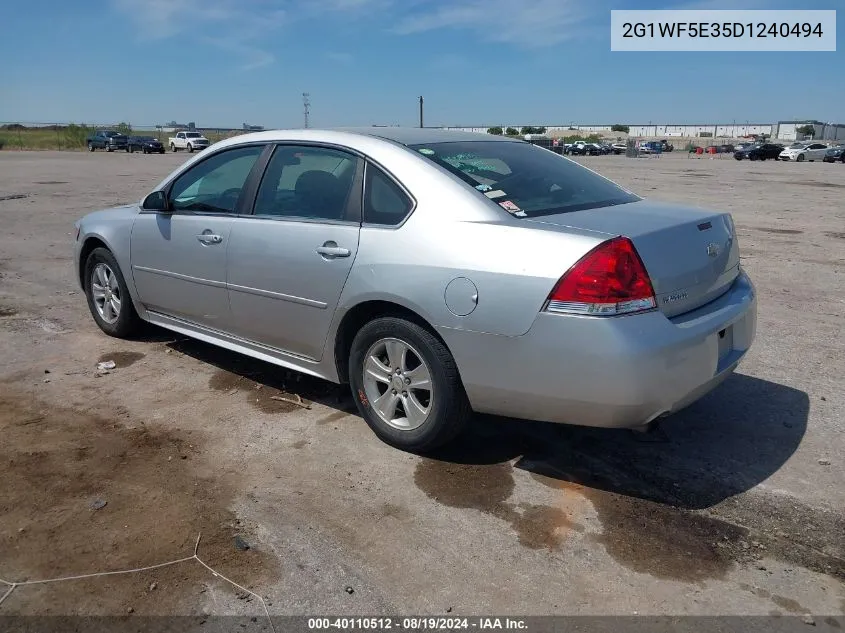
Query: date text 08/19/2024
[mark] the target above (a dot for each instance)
(416, 623)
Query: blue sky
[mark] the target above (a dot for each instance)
(226, 62)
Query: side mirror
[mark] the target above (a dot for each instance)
(156, 201)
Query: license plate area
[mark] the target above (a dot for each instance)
(726, 341)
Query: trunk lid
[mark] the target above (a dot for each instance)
(691, 254)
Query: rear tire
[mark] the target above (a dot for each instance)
(409, 417)
(120, 322)
(173, 148)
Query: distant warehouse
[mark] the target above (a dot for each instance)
(784, 130)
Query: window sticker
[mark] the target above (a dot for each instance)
(511, 208)
(495, 194)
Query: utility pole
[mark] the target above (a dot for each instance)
(421, 111)
(306, 106)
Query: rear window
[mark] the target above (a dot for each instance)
(525, 180)
(192, 135)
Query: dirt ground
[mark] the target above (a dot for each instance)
(737, 506)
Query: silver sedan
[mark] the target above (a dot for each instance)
(437, 273)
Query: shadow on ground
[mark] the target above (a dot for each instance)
(723, 445)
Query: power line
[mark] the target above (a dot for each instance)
(306, 106)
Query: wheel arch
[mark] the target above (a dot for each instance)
(361, 314)
(91, 242)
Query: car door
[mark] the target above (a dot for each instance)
(289, 261)
(817, 151)
(178, 255)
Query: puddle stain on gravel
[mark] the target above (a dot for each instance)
(835, 235)
(156, 505)
(258, 395)
(6, 311)
(487, 489)
(121, 359)
(643, 536)
(657, 539)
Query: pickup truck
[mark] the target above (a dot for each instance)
(108, 140)
(187, 140)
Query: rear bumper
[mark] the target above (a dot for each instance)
(607, 372)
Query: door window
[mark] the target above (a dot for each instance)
(307, 182)
(215, 184)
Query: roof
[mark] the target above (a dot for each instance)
(419, 136)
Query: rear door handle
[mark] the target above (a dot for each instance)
(209, 238)
(332, 250)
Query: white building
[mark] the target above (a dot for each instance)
(712, 130)
(788, 131)
(783, 130)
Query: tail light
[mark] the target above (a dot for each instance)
(609, 280)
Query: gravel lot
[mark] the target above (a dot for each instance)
(736, 507)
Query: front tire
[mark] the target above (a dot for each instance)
(800, 158)
(90, 147)
(108, 296)
(190, 148)
(406, 385)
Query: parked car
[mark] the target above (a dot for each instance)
(578, 148)
(619, 148)
(666, 146)
(761, 151)
(145, 144)
(190, 141)
(651, 147)
(804, 151)
(726, 148)
(339, 254)
(108, 140)
(835, 154)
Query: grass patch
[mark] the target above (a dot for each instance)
(73, 137)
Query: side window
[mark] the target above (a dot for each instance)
(384, 200)
(215, 184)
(307, 182)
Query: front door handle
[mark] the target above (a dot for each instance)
(330, 250)
(209, 238)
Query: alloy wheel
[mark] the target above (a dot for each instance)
(397, 382)
(106, 293)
